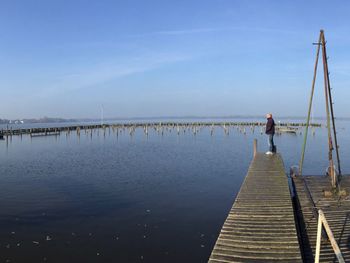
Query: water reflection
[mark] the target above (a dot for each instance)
(131, 195)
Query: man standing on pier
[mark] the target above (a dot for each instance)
(270, 131)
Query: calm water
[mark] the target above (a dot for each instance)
(131, 199)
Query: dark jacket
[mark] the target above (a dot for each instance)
(270, 126)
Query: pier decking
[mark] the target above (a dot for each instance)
(337, 212)
(260, 226)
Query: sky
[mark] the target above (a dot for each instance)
(144, 58)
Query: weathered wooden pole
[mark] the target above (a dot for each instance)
(322, 222)
(255, 147)
(327, 85)
(310, 106)
(330, 143)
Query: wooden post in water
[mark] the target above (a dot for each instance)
(255, 146)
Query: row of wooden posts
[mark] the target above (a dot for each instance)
(160, 128)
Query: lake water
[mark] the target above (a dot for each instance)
(131, 199)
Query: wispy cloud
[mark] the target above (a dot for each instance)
(108, 71)
(181, 32)
(178, 32)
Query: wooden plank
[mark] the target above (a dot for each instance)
(337, 213)
(260, 226)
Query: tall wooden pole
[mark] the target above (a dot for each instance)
(331, 106)
(310, 106)
(326, 92)
(329, 114)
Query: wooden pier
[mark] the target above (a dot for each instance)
(261, 225)
(336, 210)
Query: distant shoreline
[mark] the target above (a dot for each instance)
(164, 118)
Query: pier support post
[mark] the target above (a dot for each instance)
(255, 147)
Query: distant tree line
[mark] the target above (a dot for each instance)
(40, 120)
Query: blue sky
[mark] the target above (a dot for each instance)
(143, 58)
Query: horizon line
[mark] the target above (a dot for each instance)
(171, 117)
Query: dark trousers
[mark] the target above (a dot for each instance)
(271, 143)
